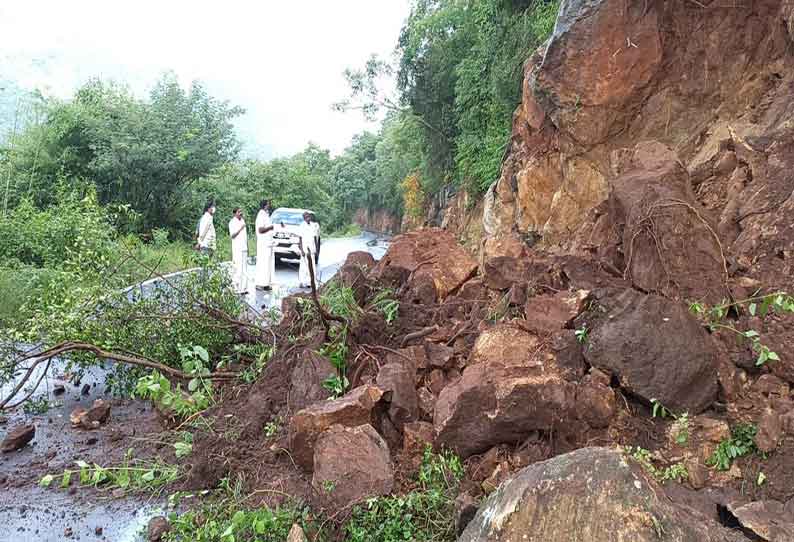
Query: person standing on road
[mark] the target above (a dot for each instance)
(307, 248)
(265, 264)
(316, 229)
(206, 231)
(239, 234)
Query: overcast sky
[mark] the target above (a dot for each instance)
(282, 60)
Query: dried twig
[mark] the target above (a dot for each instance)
(418, 335)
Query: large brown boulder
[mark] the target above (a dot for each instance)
(592, 494)
(306, 425)
(351, 464)
(511, 387)
(655, 348)
(429, 252)
(669, 239)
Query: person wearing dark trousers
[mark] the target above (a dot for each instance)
(316, 230)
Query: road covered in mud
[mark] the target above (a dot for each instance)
(31, 512)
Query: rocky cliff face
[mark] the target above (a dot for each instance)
(378, 221)
(657, 138)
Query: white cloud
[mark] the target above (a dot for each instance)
(281, 60)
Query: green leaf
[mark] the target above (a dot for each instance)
(148, 476)
(202, 353)
(762, 357)
(123, 478)
(750, 333)
(46, 480)
(193, 385)
(761, 478)
(82, 464)
(66, 479)
(752, 308)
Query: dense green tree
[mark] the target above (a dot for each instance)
(140, 153)
(458, 76)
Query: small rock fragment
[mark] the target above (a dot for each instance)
(158, 526)
(770, 429)
(91, 418)
(18, 437)
(296, 534)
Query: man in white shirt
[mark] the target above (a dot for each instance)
(239, 235)
(307, 248)
(206, 229)
(265, 263)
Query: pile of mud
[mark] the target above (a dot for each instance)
(511, 363)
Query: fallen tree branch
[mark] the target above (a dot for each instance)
(129, 359)
(212, 311)
(32, 390)
(325, 316)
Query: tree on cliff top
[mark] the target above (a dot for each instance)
(459, 76)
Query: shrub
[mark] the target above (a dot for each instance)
(427, 513)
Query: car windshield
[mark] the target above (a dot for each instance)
(287, 218)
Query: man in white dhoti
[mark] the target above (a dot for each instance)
(265, 263)
(239, 235)
(205, 242)
(307, 247)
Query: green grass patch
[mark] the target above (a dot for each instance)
(224, 521)
(426, 513)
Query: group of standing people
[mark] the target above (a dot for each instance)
(308, 240)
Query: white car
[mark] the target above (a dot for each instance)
(287, 239)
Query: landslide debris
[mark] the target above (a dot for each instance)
(650, 169)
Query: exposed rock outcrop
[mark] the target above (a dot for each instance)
(705, 91)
